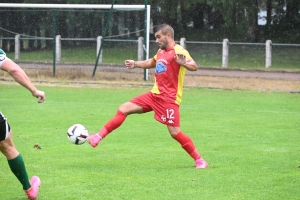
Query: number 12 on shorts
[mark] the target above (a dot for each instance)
(170, 113)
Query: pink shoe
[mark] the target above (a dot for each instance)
(94, 140)
(32, 192)
(201, 163)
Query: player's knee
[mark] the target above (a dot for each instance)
(173, 133)
(122, 107)
(8, 148)
(173, 130)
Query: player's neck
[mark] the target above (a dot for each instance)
(171, 45)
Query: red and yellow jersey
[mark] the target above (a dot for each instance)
(169, 75)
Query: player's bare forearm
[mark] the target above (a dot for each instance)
(191, 65)
(20, 77)
(146, 64)
(18, 74)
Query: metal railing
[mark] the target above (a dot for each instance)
(223, 53)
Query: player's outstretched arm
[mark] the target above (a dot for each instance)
(20, 76)
(146, 64)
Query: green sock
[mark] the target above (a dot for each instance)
(17, 166)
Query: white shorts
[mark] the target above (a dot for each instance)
(2, 57)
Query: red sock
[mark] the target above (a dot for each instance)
(188, 145)
(112, 124)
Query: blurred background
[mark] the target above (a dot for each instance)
(247, 24)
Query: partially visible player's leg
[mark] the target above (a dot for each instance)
(185, 141)
(17, 166)
(188, 145)
(172, 120)
(111, 125)
(124, 110)
(15, 159)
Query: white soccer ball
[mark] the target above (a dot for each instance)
(77, 134)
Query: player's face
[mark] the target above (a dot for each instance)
(161, 40)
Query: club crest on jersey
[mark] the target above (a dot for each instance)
(160, 68)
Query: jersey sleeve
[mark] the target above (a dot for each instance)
(187, 55)
(180, 49)
(2, 57)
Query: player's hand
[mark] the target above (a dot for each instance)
(129, 64)
(180, 59)
(39, 94)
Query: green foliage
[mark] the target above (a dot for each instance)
(230, 16)
(251, 141)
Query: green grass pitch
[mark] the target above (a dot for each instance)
(251, 141)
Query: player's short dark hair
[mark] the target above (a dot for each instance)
(165, 28)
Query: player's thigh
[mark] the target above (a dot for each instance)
(130, 108)
(140, 104)
(8, 148)
(6, 143)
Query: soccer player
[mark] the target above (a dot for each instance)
(170, 63)
(7, 147)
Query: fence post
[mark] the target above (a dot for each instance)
(99, 39)
(17, 47)
(140, 49)
(225, 53)
(183, 42)
(58, 48)
(268, 53)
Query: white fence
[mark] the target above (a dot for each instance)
(225, 52)
(141, 49)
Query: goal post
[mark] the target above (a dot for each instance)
(118, 7)
(72, 6)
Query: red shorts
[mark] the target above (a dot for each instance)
(165, 111)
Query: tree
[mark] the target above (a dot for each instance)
(292, 13)
(269, 13)
(252, 33)
(211, 19)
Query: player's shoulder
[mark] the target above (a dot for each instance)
(159, 51)
(179, 49)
